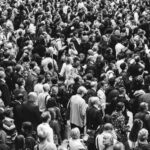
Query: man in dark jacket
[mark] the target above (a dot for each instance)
(30, 111)
(6, 96)
(94, 119)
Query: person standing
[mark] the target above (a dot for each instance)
(93, 120)
(77, 109)
(6, 96)
(30, 111)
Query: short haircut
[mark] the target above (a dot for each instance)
(45, 116)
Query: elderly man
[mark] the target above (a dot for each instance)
(77, 109)
(30, 111)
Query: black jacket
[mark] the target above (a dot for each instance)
(30, 112)
(6, 96)
(94, 118)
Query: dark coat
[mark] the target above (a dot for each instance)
(6, 96)
(31, 113)
(94, 118)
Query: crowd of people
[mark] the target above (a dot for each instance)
(74, 74)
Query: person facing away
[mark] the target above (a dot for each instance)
(77, 109)
(44, 144)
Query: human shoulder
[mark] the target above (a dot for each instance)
(51, 146)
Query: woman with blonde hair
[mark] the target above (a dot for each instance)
(75, 143)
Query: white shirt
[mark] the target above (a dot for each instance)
(66, 70)
(102, 97)
(77, 110)
(42, 99)
(49, 132)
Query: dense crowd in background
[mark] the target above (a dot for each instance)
(74, 74)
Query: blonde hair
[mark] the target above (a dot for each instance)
(143, 135)
(42, 132)
(75, 133)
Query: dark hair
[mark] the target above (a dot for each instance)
(120, 106)
(50, 66)
(137, 125)
(20, 81)
(54, 80)
(27, 126)
(40, 78)
(123, 66)
(19, 142)
(111, 81)
(32, 64)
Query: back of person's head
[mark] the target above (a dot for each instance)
(42, 132)
(94, 101)
(45, 116)
(27, 127)
(118, 146)
(143, 135)
(108, 127)
(19, 142)
(82, 90)
(120, 106)
(143, 106)
(52, 102)
(32, 97)
(46, 87)
(75, 133)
